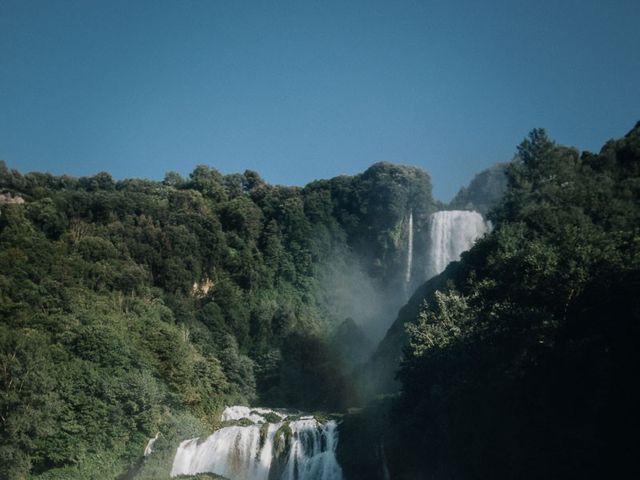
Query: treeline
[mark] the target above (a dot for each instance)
(131, 307)
(522, 362)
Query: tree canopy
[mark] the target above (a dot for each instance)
(128, 307)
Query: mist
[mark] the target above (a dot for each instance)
(349, 292)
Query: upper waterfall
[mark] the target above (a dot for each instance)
(272, 446)
(452, 232)
(409, 248)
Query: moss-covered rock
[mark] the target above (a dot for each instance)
(264, 431)
(201, 476)
(282, 440)
(271, 417)
(292, 418)
(324, 417)
(242, 422)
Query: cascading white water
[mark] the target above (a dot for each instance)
(232, 452)
(256, 415)
(407, 278)
(451, 233)
(148, 450)
(302, 449)
(312, 454)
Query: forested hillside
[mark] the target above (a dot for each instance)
(134, 307)
(484, 191)
(522, 359)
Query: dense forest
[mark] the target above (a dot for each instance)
(133, 307)
(519, 360)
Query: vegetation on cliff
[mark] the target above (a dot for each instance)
(521, 361)
(131, 307)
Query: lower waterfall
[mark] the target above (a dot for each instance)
(269, 445)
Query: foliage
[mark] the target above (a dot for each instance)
(522, 365)
(125, 305)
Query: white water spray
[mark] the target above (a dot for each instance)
(451, 233)
(409, 248)
(302, 449)
(256, 415)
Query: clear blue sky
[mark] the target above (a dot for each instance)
(300, 90)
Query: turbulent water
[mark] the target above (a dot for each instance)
(300, 449)
(451, 233)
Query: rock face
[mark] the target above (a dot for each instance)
(201, 289)
(8, 198)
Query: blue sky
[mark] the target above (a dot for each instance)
(299, 90)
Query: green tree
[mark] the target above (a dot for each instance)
(28, 400)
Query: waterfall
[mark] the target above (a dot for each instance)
(409, 248)
(299, 449)
(451, 233)
(148, 450)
